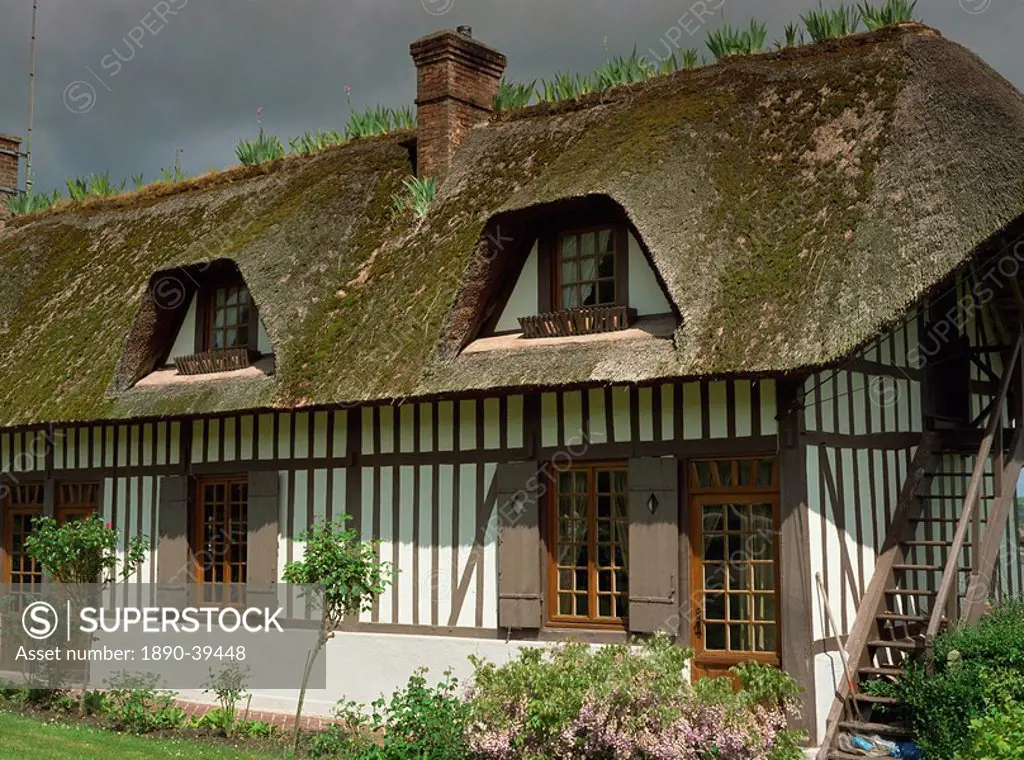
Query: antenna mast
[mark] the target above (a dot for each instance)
(31, 100)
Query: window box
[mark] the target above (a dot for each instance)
(584, 321)
(217, 360)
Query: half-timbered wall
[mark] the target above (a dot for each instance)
(420, 477)
(862, 423)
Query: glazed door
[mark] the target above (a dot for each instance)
(734, 563)
(24, 503)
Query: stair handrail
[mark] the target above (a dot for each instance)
(971, 498)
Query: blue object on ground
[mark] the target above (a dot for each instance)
(908, 751)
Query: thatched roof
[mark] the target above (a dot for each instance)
(794, 204)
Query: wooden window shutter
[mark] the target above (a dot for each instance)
(653, 545)
(519, 548)
(173, 559)
(263, 531)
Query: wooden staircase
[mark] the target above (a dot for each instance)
(937, 563)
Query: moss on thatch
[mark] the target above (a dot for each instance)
(793, 204)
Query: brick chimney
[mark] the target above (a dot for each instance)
(10, 152)
(456, 81)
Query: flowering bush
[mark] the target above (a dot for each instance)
(623, 703)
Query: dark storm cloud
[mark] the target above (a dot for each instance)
(122, 84)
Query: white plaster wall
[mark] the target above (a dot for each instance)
(263, 340)
(645, 294)
(523, 301)
(185, 341)
(362, 666)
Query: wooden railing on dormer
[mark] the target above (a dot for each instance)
(946, 606)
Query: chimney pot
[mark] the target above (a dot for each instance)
(457, 78)
(10, 154)
(465, 30)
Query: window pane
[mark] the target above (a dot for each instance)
(714, 576)
(569, 249)
(739, 607)
(737, 517)
(564, 604)
(587, 244)
(714, 547)
(703, 472)
(620, 481)
(570, 271)
(570, 297)
(606, 292)
(604, 606)
(714, 606)
(582, 606)
(739, 638)
(565, 579)
(587, 294)
(714, 636)
(764, 577)
(739, 577)
(764, 474)
(605, 241)
(724, 473)
(712, 517)
(606, 265)
(765, 638)
(764, 607)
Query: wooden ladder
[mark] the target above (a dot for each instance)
(936, 565)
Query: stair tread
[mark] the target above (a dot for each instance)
(940, 520)
(913, 566)
(906, 644)
(905, 618)
(927, 542)
(876, 670)
(910, 592)
(876, 700)
(884, 729)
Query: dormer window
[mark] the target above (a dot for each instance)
(577, 268)
(587, 269)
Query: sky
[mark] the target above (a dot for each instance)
(124, 85)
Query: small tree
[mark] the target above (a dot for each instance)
(80, 552)
(349, 576)
(83, 551)
(229, 685)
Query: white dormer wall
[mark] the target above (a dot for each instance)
(645, 294)
(185, 340)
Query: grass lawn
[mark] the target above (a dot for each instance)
(27, 739)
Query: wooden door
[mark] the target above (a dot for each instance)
(734, 563)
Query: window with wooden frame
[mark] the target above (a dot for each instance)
(586, 269)
(21, 507)
(734, 561)
(227, 316)
(588, 529)
(584, 281)
(220, 538)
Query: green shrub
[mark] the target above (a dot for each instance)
(29, 202)
(313, 142)
(229, 686)
(264, 148)
(421, 721)
(830, 23)
(134, 705)
(999, 736)
(728, 41)
(513, 94)
(256, 729)
(419, 194)
(893, 12)
(378, 121)
(979, 672)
